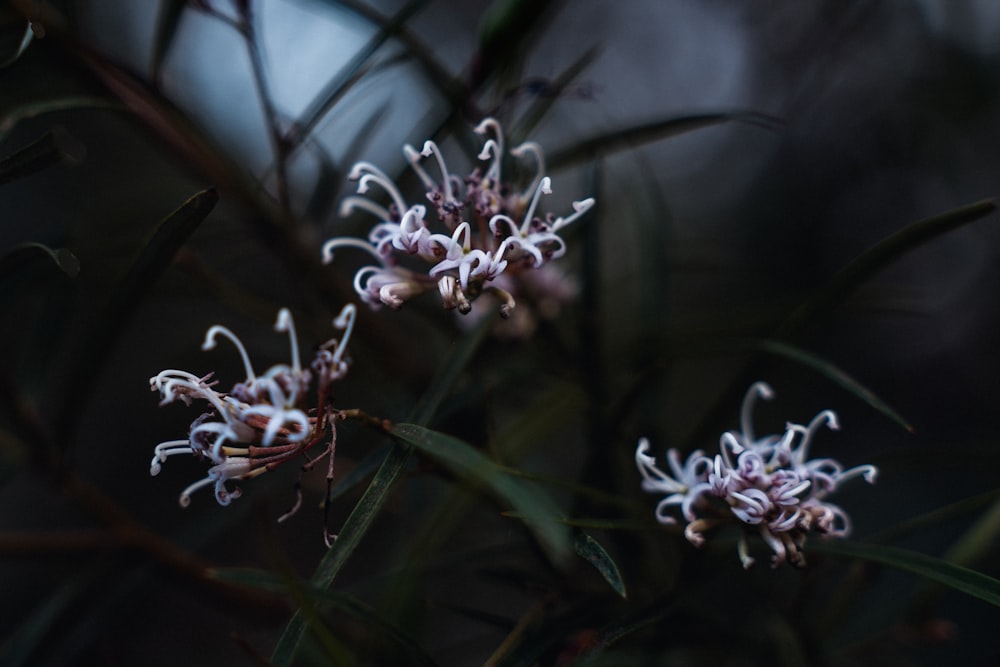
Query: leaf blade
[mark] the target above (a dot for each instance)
(467, 462)
(959, 578)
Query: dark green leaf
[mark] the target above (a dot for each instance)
(349, 605)
(877, 258)
(34, 109)
(54, 147)
(591, 550)
(832, 372)
(375, 496)
(38, 622)
(26, 254)
(631, 137)
(150, 263)
(941, 571)
(468, 464)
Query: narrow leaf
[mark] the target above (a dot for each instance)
(29, 110)
(54, 147)
(591, 550)
(884, 253)
(38, 622)
(344, 603)
(150, 263)
(375, 496)
(633, 136)
(348, 75)
(29, 34)
(961, 579)
(25, 254)
(831, 372)
(467, 463)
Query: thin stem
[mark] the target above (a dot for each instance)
(279, 143)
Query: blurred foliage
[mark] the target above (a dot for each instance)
(836, 243)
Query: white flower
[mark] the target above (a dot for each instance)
(478, 240)
(261, 423)
(767, 483)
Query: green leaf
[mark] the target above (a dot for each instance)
(152, 260)
(831, 372)
(375, 496)
(880, 256)
(386, 633)
(25, 254)
(54, 147)
(960, 578)
(353, 530)
(591, 550)
(19, 646)
(467, 463)
(631, 137)
(11, 118)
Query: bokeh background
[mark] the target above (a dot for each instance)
(742, 154)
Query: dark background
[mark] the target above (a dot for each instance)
(833, 126)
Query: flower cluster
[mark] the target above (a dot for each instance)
(485, 228)
(768, 483)
(262, 421)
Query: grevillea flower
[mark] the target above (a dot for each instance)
(769, 485)
(475, 230)
(262, 421)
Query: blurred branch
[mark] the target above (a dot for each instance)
(357, 67)
(125, 529)
(57, 543)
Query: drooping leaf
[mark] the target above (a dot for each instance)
(971, 547)
(636, 135)
(959, 578)
(467, 463)
(25, 254)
